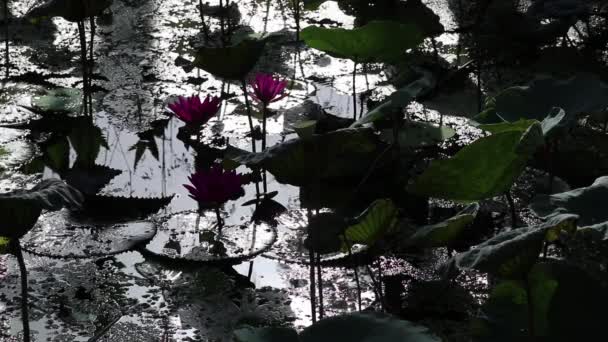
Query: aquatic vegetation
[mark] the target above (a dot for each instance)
(434, 172)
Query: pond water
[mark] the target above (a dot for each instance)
(153, 278)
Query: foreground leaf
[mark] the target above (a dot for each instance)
(377, 220)
(442, 233)
(233, 62)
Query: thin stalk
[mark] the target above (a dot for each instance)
(7, 58)
(220, 222)
(320, 282)
(248, 105)
(296, 7)
(313, 300)
(377, 288)
(264, 112)
(350, 257)
(512, 207)
(24, 293)
(204, 23)
(354, 92)
(479, 95)
(83, 57)
(266, 16)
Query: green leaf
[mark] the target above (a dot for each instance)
(4, 242)
(583, 93)
(397, 100)
(517, 126)
(486, 168)
(373, 224)
(374, 42)
(60, 100)
(266, 334)
(418, 134)
(305, 129)
(511, 254)
(366, 327)
(233, 62)
(20, 210)
(582, 201)
(344, 154)
(442, 233)
(567, 303)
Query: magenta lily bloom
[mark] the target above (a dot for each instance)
(194, 112)
(268, 88)
(214, 186)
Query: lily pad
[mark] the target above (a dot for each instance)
(356, 327)
(567, 305)
(511, 254)
(178, 238)
(60, 100)
(582, 201)
(58, 235)
(373, 42)
(122, 208)
(70, 10)
(486, 168)
(442, 233)
(90, 180)
(233, 62)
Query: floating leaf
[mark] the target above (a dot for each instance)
(442, 233)
(581, 201)
(20, 210)
(568, 306)
(373, 224)
(344, 154)
(60, 100)
(486, 168)
(418, 134)
(357, 327)
(70, 10)
(373, 42)
(511, 254)
(233, 62)
(57, 235)
(116, 207)
(89, 180)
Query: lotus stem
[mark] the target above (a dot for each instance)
(264, 116)
(311, 254)
(24, 292)
(91, 63)
(220, 222)
(354, 92)
(296, 9)
(7, 58)
(248, 106)
(479, 100)
(320, 282)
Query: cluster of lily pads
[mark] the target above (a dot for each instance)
(384, 170)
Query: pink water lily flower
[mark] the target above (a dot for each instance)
(268, 88)
(194, 112)
(214, 186)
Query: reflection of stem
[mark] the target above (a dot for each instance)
(83, 56)
(313, 300)
(354, 92)
(248, 105)
(320, 282)
(24, 294)
(91, 64)
(352, 261)
(6, 42)
(377, 287)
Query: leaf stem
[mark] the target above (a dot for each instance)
(248, 106)
(16, 246)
